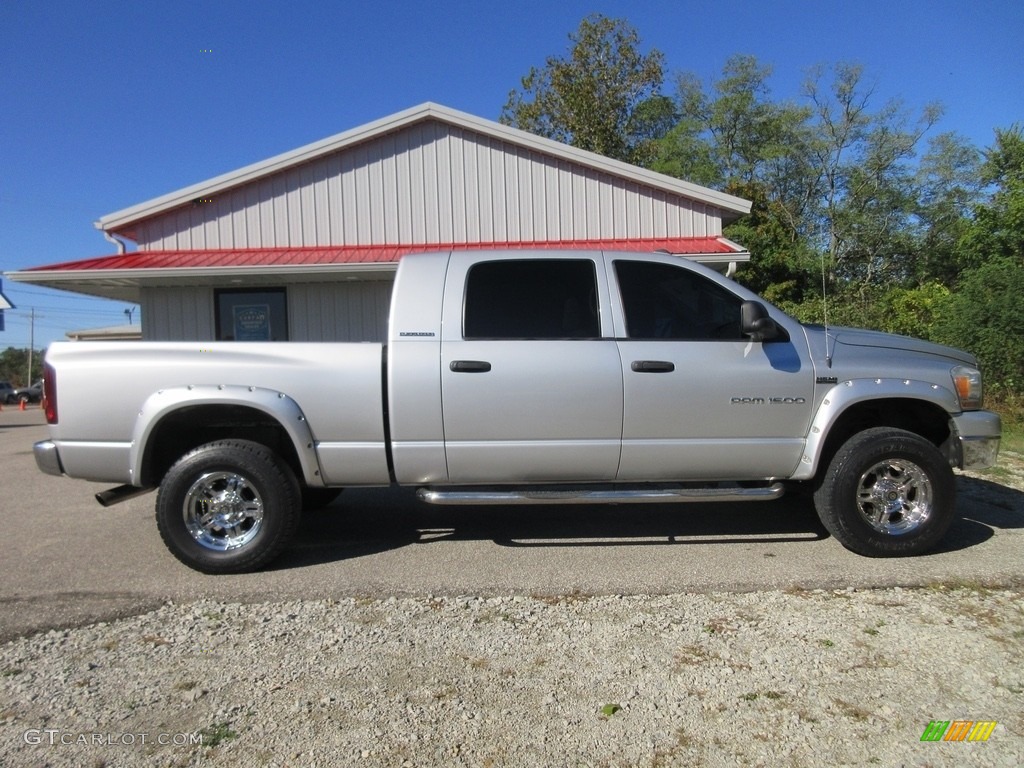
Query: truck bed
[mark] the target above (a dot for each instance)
(105, 386)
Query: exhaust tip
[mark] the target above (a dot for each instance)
(112, 496)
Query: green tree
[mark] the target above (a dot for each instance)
(783, 268)
(836, 186)
(603, 96)
(949, 184)
(839, 194)
(648, 123)
(997, 229)
(983, 316)
(14, 366)
(866, 196)
(745, 132)
(734, 136)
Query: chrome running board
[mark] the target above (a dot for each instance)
(540, 495)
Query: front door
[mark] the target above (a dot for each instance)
(701, 401)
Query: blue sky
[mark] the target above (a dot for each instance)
(107, 104)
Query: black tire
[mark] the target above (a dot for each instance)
(318, 498)
(887, 493)
(230, 506)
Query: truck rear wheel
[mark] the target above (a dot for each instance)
(228, 507)
(887, 493)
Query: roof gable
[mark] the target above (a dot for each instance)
(176, 212)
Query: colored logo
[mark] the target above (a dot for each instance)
(958, 730)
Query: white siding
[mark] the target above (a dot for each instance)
(177, 314)
(431, 182)
(339, 311)
(356, 311)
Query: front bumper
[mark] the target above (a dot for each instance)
(975, 440)
(48, 458)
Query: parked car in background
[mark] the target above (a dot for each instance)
(6, 392)
(30, 394)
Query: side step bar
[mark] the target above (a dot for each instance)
(525, 496)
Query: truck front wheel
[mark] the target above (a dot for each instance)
(228, 507)
(887, 493)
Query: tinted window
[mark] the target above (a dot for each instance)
(538, 299)
(252, 315)
(663, 301)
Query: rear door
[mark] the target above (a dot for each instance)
(701, 401)
(531, 390)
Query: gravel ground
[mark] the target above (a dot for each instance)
(792, 678)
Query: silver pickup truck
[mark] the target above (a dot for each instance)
(519, 377)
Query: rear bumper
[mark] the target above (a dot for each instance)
(977, 439)
(100, 461)
(48, 457)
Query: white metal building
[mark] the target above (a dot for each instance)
(303, 246)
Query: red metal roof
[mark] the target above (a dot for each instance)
(365, 254)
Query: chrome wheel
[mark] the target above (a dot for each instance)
(223, 511)
(887, 493)
(895, 496)
(230, 506)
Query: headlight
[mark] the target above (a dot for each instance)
(967, 382)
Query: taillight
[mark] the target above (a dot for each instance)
(50, 393)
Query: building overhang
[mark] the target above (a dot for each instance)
(122, 276)
(108, 333)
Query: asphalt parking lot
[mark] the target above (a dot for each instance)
(64, 560)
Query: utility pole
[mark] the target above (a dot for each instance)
(31, 345)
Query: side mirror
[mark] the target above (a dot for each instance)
(755, 322)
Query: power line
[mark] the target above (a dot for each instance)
(24, 310)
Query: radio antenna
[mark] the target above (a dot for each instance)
(824, 307)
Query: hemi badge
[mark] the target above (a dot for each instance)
(828, 380)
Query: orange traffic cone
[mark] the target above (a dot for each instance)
(21, 407)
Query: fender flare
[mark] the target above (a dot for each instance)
(846, 394)
(277, 405)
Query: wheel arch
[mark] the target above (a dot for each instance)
(917, 407)
(174, 421)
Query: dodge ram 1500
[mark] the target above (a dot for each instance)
(528, 377)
